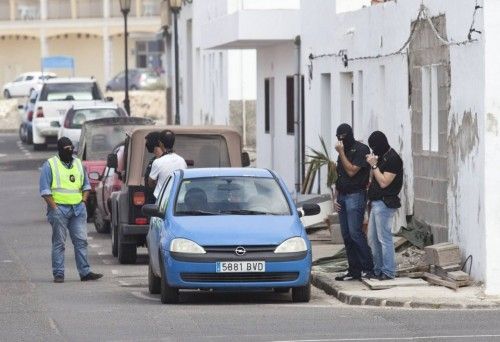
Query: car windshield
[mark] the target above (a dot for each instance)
(79, 116)
(100, 140)
(86, 91)
(231, 196)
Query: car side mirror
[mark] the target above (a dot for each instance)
(112, 161)
(245, 159)
(151, 210)
(309, 209)
(109, 99)
(94, 176)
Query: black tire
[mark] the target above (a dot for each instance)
(114, 241)
(168, 295)
(127, 253)
(6, 94)
(39, 147)
(29, 138)
(154, 282)
(21, 136)
(100, 224)
(302, 294)
(281, 289)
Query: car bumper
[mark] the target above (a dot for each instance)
(134, 229)
(197, 275)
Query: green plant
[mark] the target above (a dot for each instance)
(318, 159)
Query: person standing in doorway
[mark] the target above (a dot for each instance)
(350, 188)
(65, 187)
(164, 166)
(387, 181)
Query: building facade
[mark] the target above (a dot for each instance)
(90, 31)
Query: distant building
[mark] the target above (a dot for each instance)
(91, 31)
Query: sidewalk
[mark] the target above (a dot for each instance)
(425, 296)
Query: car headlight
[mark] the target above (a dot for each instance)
(185, 246)
(295, 244)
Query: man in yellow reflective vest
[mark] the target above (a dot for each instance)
(65, 187)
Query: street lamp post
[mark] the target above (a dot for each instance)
(125, 9)
(175, 7)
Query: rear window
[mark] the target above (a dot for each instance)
(201, 150)
(101, 140)
(70, 92)
(77, 117)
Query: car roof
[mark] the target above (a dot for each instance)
(70, 80)
(226, 172)
(98, 105)
(38, 73)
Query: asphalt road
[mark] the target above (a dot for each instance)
(119, 308)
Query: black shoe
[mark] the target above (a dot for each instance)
(368, 275)
(91, 276)
(346, 277)
(58, 279)
(383, 276)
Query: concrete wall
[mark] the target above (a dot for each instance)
(27, 52)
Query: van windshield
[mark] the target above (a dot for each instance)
(86, 91)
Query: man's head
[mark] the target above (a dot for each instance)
(65, 149)
(344, 134)
(378, 143)
(167, 139)
(153, 142)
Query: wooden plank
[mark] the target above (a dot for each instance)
(434, 279)
(375, 284)
(458, 275)
(443, 271)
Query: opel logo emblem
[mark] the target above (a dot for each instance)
(240, 250)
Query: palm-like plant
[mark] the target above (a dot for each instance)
(318, 159)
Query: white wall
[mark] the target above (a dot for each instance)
(242, 69)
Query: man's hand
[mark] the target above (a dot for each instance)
(371, 159)
(337, 206)
(339, 147)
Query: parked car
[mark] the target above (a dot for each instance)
(98, 138)
(227, 229)
(207, 146)
(25, 83)
(138, 79)
(72, 122)
(28, 110)
(54, 99)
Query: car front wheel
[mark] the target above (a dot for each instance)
(168, 295)
(6, 94)
(302, 294)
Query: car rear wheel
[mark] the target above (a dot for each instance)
(6, 94)
(154, 282)
(101, 225)
(127, 252)
(21, 134)
(29, 137)
(39, 147)
(114, 242)
(302, 294)
(168, 295)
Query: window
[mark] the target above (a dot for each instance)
(267, 120)
(29, 78)
(326, 109)
(290, 105)
(347, 98)
(149, 54)
(430, 108)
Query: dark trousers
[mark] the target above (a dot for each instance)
(351, 218)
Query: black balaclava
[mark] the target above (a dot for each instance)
(152, 141)
(66, 155)
(348, 140)
(378, 143)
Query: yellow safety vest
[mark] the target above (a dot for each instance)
(67, 183)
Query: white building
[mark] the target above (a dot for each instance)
(423, 75)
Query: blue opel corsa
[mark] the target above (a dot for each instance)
(227, 228)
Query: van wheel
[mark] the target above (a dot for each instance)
(154, 282)
(302, 294)
(39, 147)
(168, 295)
(127, 253)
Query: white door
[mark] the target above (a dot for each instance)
(16, 87)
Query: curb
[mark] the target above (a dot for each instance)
(323, 283)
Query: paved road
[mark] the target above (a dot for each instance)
(119, 308)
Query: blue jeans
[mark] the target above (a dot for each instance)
(351, 218)
(74, 220)
(380, 239)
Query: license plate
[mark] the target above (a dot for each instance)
(240, 266)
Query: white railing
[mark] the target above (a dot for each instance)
(26, 10)
(58, 9)
(90, 9)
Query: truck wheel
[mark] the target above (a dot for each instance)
(154, 282)
(127, 253)
(39, 147)
(168, 295)
(302, 294)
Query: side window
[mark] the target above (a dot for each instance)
(165, 194)
(29, 78)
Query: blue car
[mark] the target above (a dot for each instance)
(227, 228)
